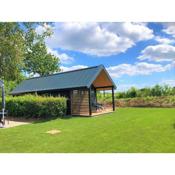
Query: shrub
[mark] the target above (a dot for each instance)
(167, 101)
(36, 106)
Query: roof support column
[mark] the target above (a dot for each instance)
(90, 107)
(113, 100)
(95, 91)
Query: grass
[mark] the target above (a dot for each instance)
(128, 130)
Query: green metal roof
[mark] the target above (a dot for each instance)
(64, 80)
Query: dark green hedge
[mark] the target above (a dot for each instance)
(29, 106)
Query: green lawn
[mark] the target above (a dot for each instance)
(135, 130)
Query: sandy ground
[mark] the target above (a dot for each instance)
(53, 131)
(16, 122)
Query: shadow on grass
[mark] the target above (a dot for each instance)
(42, 120)
(35, 120)
(67, 117)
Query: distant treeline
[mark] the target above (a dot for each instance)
(155, 91)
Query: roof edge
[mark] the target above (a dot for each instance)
(63, 72)
(95, 76)
(42, 90)
(115, 87)
(102, 68)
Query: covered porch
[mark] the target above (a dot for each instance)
(92, 101)
(102, 100)
(102, 86)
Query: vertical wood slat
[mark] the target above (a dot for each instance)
(80, 102)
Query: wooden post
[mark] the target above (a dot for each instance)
(103, 93)
(71, 94)
(90, 109)
(95, 91)
(113, 100)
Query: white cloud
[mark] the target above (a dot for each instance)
(141, 68)
(169, 28)
(133, 31)
(64, 69)
(101, 39)
(160, 52)
(29, 75)
(124, 87)
(64, 58)
(42, 28)
(163, 40)
(168, 82)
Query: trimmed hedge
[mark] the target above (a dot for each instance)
(30, 106)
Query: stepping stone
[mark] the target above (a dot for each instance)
(53, 132)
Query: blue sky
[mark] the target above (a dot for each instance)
(135, 54)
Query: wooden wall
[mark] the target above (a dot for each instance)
(80, 102)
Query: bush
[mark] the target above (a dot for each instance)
(36, 106)
(166, 101)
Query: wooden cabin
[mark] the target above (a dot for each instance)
(78, 86)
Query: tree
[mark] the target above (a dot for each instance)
(37, 59)
(173, 91)
(22, 49)
(167, 90)
(132, 92)
(156, 90)
(11, 51)
(144, 92)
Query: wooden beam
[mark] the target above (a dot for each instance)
(113, 100)
(102, 87)
(90, 108)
